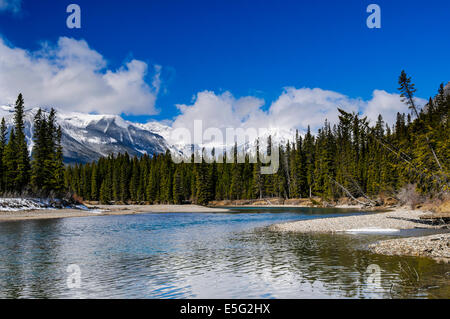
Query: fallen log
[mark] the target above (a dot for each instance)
(444, 217)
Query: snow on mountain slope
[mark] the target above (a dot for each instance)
(87, 137)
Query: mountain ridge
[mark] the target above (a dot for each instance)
(88, 137)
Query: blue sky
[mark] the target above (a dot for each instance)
(250, 48)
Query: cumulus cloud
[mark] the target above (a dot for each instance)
(71, 76)
(298, 108)
(293, 109)
(388, 105)
(10, 5)
(220, 111)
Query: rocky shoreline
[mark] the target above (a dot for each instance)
(400, 218)
(433, 246)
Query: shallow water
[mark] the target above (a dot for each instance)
(186, 255)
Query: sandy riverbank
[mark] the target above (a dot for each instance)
(105, 210)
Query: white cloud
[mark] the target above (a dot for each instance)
(298, 108)
(10, 5)
(293, 109)
(220, 111)
(73, 77)
(388, 105)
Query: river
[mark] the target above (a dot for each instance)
(205, 255)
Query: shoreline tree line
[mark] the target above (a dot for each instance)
(351, 158)
(42, 173)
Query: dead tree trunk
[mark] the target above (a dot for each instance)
(348, 192)
(361, 191)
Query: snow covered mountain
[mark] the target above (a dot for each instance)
(87, 137)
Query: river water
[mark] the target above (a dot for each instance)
(220, 255)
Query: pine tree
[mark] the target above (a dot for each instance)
(58, 164)
(134, 181)
(178, 186)
(257, 177)
(203, 195)
(10, 163)
(236, 178)
(22, 157)
(94, 187)
(105, 192)
(3, 142)
(40, 173)
(407, 89)
(309, 151)
(269, 187)
(212, 173)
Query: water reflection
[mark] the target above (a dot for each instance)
(202, 256)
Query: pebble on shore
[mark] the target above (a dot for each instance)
(434, 246)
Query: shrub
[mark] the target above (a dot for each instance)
(408, 195)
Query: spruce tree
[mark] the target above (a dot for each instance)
(58, 164)
(269, 187)
(22, 157)
(134, 181)
(203, 188)
(236, 178)
(94, 187)
(10, 163)
(257, 177)
(177, 186)
(3, 142)
(40, 174)
(407, 90)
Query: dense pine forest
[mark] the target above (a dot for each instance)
(352, 158)
(42, 176)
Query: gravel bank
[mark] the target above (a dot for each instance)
(434, 246)
(398, 219)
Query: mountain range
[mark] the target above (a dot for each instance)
(87, 137)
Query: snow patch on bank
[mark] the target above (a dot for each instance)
(371, 230)
(19, 204)
(24, 204)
